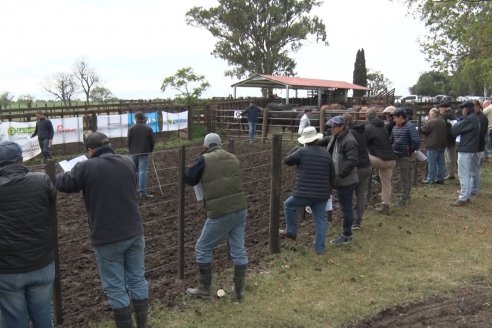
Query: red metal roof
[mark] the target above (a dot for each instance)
(277, 81)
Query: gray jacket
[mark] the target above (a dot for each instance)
(344, 150)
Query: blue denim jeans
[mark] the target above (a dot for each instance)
(25, 296)
(252, 130)
(465, 163)
(122, 269)
(436, 165)
(44, 144)
(142, 164)
(318, 207)
(475, 172)
(345, 196)
(215, 230)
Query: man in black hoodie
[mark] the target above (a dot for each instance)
(45, 132)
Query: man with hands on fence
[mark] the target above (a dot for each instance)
(27, 267)
(108, 184)
(252, 112)
(312, 187)
(219, 174)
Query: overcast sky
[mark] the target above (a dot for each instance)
(132, 45)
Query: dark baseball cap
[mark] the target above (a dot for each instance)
(467, 104)
(96, 140)
(10, 152)
(444, 104)
(400, 112)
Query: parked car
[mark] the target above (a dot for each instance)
(409, 99)
(442, 98)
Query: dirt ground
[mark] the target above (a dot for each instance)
(82, 295)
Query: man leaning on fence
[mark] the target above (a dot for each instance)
(140, 144)
(219, 175)
(107, 181)
(252, 112)
(27, 267)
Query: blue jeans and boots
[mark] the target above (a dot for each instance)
(436, 165)
(465, 163)
(318, 207)
(142, 163)
(231, 225)
(475, 172)
(122, 269)
(27, 296)
(252, 131)
(345, 196)
(44, 144)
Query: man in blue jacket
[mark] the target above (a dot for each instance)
(27, 267)
(108, 184)
(405, 141)
(468, 129)
(252, 112)
(45, 132)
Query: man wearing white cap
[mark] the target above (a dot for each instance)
(312, 187)
(220, 176)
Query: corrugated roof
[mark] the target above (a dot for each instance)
(277, 81)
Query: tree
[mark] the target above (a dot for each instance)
(377, 82)
(86, 77)
(459, 41)
(63, 86)
(360, 72)
(189, 85)
(6, 99)
(26, 99)
(255, 37)
(431, 84)
(100, 93)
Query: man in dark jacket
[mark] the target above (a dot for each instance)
(252, 112)
(450, 155)
(108, 184)
(217, 174)
(140, 144)
(405, 141)
(27, 268)
(312, 187)
(364, 169)
(435, 131)
(468, 130)
(343, 148)
(44, 131)
(381, 156)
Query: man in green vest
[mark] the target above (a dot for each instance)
(217, 173)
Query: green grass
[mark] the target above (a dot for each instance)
(428, 248)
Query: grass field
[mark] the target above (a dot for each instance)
(428, 248)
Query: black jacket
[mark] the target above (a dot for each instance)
(343, 149)
(362, 154)
(469, 131)
(140, 139)
(484, 125)
(378, 141)
(44, 130)
(109, 187)
(27, 202)
(405, 139)
(315, 174)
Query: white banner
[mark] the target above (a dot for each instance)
(174, 121)
(114, 126)
(67, 130)
(20, 133)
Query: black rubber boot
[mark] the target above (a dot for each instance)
(123, 317)
(239, 275)
(141, 308)
(204, 282)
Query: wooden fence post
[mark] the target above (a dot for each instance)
(264, 127)
(190, 123)
(57, 295)
(275, 193)
(321, 121)
(181, 209)
(231, 148)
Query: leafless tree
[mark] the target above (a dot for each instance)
(63, 86)
(86, 77)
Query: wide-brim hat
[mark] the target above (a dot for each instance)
(309, 134)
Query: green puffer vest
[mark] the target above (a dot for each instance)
(221, 182)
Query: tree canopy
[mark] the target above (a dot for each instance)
(256, 36)
(459, 41)
(432, 83)
(377, 82)
(360, 72)
(189, 85)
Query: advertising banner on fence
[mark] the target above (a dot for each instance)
(152, 120)
(114, 126)
(20, 132)
(174, 121)
(67, 130)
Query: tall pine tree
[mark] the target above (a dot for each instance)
(360, 72)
